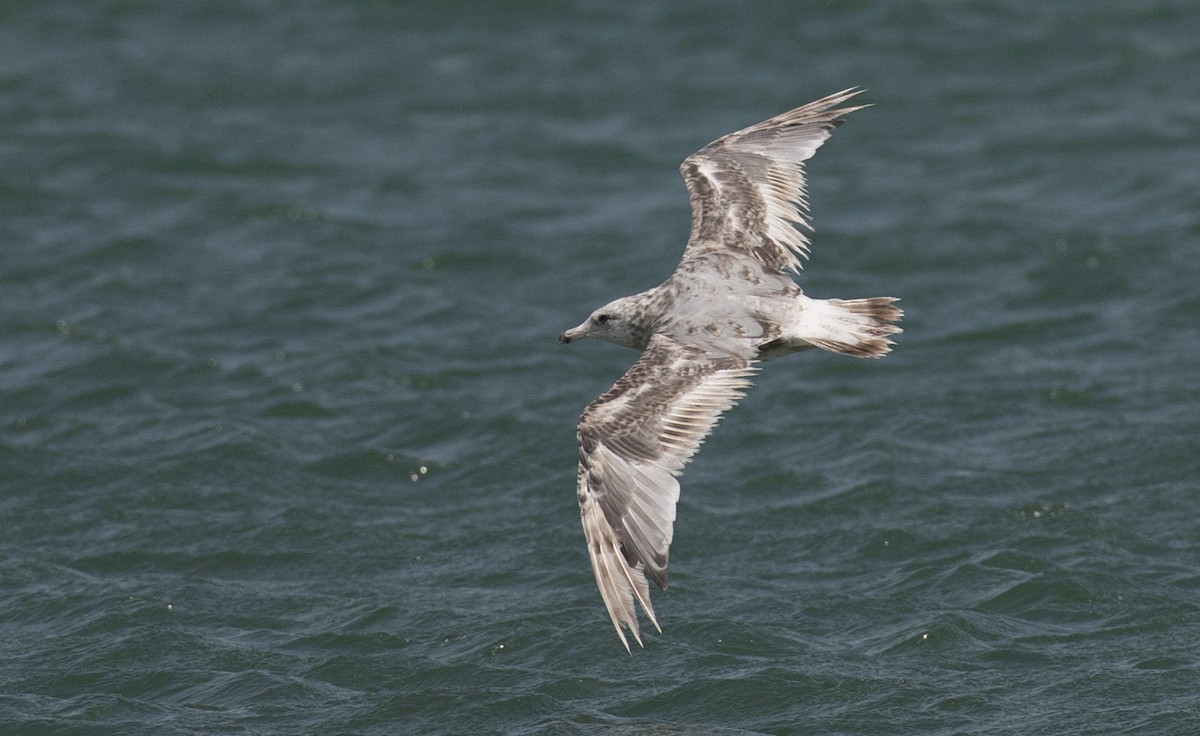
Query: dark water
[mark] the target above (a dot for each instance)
(286, 444)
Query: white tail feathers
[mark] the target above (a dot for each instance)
(861, 327)
(857, 327)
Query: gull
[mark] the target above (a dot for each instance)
(730, 304)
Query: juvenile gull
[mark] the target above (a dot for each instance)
(729, 304)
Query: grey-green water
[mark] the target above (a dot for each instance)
(287, 445)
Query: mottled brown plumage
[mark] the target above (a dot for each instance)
(728, 305)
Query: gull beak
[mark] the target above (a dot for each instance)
(573, 334)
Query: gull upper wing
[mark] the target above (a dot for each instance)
(748, 190)
(633, 441)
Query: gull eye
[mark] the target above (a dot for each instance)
(603, 319)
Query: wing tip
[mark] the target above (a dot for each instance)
(826, 110)
(620, 583)
(626, 618)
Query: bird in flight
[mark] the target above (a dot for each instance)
(730, 304)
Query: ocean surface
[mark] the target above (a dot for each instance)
(287, 443)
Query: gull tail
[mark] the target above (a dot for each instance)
(858, 327)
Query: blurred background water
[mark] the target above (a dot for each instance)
(287, 446)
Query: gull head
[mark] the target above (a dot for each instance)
(617, 322)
